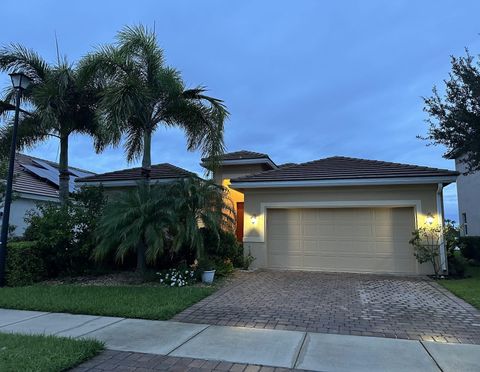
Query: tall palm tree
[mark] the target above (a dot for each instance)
(60, 102)
(140, 93)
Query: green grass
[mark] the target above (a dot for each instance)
(146, 302)
(468, 288)
(44, 353)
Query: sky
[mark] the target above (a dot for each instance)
(302, 79)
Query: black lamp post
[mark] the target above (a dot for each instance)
(20, 82)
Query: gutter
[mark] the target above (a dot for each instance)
(443, 252)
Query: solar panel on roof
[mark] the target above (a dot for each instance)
(50, 173)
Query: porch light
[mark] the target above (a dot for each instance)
(20, 81)
(253, 219)
(430, 219)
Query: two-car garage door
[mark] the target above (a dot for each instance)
(341, 239)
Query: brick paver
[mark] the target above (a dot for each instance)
(357, 304)
(111, 360)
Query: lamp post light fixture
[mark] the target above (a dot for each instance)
(20, 82)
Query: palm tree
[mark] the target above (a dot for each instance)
(151, 219)
(198, 203)
(60, 102)
(140, 93)
(136, 221)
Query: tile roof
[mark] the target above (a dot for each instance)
(30, 176)
(340, 167)
(241, 154)
(159, 171)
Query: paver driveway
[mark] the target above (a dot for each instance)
(356, 304)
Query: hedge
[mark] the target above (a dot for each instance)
(25, 264)
(470, 247)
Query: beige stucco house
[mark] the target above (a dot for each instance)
(333, 214)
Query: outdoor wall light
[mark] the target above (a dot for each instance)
(253, 219)
(430, 219)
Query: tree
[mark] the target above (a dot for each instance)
(150, 220)
(60, 102)
(135, 221)
(198, 203)
(455, 118)
(140, 93)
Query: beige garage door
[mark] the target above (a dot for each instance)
(341, 239)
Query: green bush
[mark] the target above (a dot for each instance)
(25, 265)
(457, 266)
(223, 246)
(64, 234)
(470, 247)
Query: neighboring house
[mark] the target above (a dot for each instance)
(125, 178)
(35, 181)
(333, 214)
(468, 192)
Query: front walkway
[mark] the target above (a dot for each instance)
(339, 303)
(199, 343)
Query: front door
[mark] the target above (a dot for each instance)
(239, 230)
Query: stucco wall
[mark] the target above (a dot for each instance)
(258, 201)
(18, 210)
(468, 190)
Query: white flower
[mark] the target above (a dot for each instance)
(161, 280)
(171, 285)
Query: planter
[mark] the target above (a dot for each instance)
(207, 276)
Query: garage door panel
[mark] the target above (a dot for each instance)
(343, 239)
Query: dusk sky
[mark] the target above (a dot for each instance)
(302, 79)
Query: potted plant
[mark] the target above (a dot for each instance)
(207, 268)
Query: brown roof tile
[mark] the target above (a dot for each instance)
(340, 167)
(240, 155)
(159, 171)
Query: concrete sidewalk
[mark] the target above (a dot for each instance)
(276, 348)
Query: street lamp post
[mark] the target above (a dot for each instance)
(20, 82)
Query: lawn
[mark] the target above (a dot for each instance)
(146, 302)
(44, 353)
(468, 288)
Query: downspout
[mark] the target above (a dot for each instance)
(443, 253)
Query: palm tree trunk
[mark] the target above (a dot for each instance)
(141, 262)
(64, 176)
(147, 156)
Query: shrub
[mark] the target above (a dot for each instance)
(470, 247)
(64, 234)
(426, 246)
(457, 266)
(177, 277)
(25, 265)
(224, 267)
(223, 246)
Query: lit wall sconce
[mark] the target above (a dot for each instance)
(253, 219)
(430, 219)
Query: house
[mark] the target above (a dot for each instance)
(35, 181)
(123, 179)
(468, 192)
(333, 214)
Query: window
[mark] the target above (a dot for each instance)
(465, 227)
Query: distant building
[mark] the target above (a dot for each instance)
(35, 181)
(468, 190)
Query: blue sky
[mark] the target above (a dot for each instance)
(302, 79)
